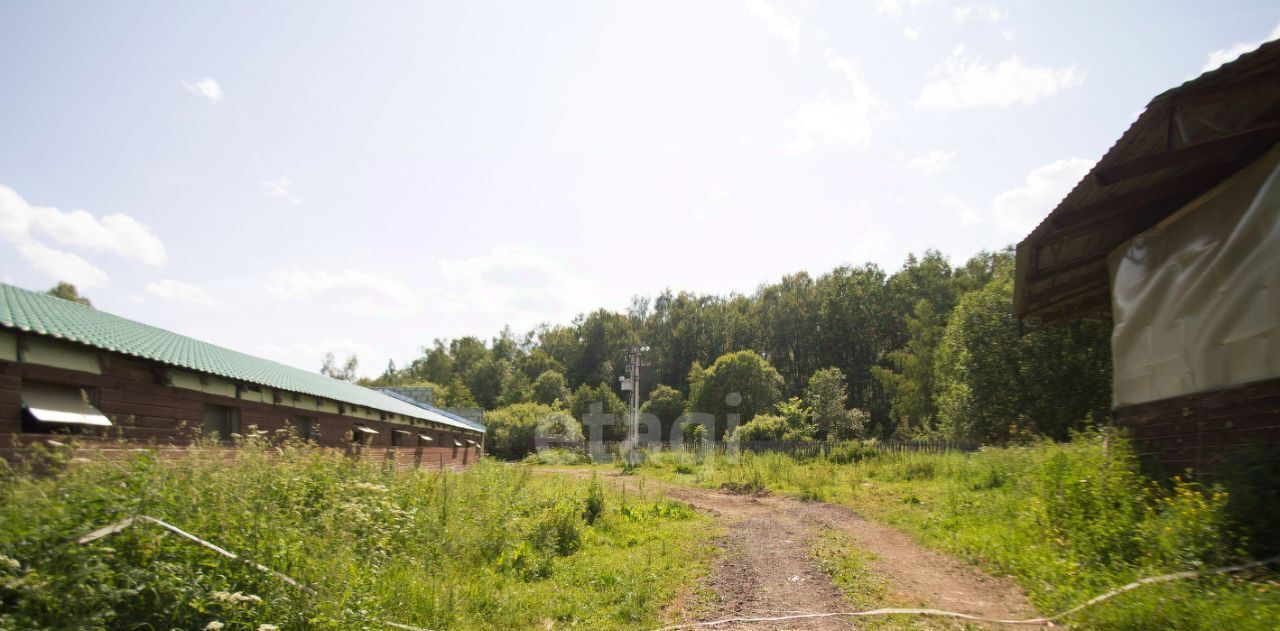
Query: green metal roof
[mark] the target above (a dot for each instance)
(35, 312)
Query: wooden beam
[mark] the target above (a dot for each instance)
(1196, 96)
(1137, 211)
(1088, 306)
(1068, 290)
(1255, 140)
(1040, 276)
(1184, 186)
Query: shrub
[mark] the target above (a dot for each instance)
(558, 456)
(513, 429)
(594, 505)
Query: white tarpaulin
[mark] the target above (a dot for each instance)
(54, 403)
(1196, 299)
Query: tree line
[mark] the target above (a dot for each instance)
(931, 350)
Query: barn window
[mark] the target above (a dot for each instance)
(426, 439)
(308, 427)
(53, 407)
(362, 435)
(400, 438)
(220, 422)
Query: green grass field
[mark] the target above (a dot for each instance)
(1068, 521)
(493, 547)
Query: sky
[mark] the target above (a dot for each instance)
(287, 179)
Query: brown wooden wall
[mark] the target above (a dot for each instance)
(1203, 431)
(142, 410)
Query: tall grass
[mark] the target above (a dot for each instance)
(489, 548)
(1067, 520)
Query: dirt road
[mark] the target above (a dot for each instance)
(768, 568)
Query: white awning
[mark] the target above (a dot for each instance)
(401, 431)
(426, 438)
(456, 443)
(367, 430)
(471, 441)
(52, 403)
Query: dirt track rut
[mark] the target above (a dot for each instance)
(767, 568)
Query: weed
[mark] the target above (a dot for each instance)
(1068, 520)
(493, 547)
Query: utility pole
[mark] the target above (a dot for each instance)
(632, 383)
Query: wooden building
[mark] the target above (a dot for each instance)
(1174, 236)
(69, 369)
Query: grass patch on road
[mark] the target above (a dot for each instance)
(1068, 521)
(493, 547)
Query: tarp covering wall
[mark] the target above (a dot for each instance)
(1196, 299)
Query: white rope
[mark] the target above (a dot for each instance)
(125, 523)
(131, 521)
(1046, 621)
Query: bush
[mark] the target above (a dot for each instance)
(594, 505)
(792, 423)
(513, 429)
(558, 456)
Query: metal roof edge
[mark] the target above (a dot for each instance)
(430, 408)
(392, 405)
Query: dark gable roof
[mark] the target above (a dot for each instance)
(1186, 141)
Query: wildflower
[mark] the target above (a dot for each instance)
(236, 598)
(10, 563)
(213, 626)
(268, 627)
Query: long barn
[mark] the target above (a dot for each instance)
(69, 369)
(1174, 236)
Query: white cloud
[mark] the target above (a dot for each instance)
(281, 189)
(936, 161)
(514, 281)
(785, 28)
(207, 88)
(968, 213)
(116, 233)
(912, 34)
(1222, 56)
(847, 120)
(988, 12)
(961, 81)
(177, 291)
(348, 291)
(27, 227)
(1018, 210)
(62, 266)
(895, 8)
(704, 207)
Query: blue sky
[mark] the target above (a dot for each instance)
(290, 178)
